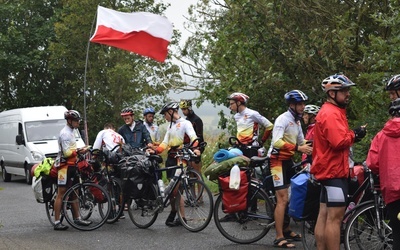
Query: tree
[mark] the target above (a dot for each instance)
(266, 48)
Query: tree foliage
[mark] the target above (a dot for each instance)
(265, 48)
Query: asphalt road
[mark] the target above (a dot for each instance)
(24, 225)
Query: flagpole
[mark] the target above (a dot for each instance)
(84, 83)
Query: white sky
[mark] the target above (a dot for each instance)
(175, 13)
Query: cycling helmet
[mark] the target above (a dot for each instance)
(394, 109)
(168, 106)
(126, 111)
(72, 114)
(336, 82)
(393, 83)
(238, 97)
(149, 111)
(185, 104)
(311, 109)
(295, 96)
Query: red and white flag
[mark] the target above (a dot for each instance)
(144, 33)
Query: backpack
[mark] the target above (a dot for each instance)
(137, 174)
(304, 197)
(234, 200)
(43, 168)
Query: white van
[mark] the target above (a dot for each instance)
(27, 136)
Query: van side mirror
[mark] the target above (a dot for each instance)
(20, 140)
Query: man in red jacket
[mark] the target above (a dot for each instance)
(332, 142)
(384, 160)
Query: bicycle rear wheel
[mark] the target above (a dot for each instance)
(114, 189)
(194, 204)
(307, 232)
(93, 204)
(144, 212)
(362, 229)
(248, 226)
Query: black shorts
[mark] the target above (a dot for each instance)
(282, 172)
(65, 176)
(334, 192)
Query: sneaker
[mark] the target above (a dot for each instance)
(81, 222)
(60, 227)
(122, 216)
(228, 218)
(170, 220)
(176, 223)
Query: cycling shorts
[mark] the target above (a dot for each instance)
(65, 175)
(334, 192)
(282, 172)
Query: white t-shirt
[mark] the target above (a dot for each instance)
(109, 138)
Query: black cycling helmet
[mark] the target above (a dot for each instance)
(126, 111)
(295, 96)
(149, 111)
(72, 115)
(168, 106)
(394, 109)
(393, 83)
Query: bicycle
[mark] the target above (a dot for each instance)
(362, 198)
(252, 224)
(91, 199)
(367, 227)
(109, 181)
(194, 201)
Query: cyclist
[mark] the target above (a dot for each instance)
(197, 123)
(148, 114)
(108, 138)
(309, 114)
(393, 87)
(331, 148)
(287, 138)
(247, 123)
(382, 159)
(134, 132)
(174, 139)
(66, 169)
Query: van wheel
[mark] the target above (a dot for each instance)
(6, 176)
(28, 177)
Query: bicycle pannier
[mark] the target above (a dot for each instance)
(97, 194)
(234, 200)
(304, 198)
(42, 189)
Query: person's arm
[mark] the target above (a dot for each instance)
(99, 140)
(199, 129)
(373, 155)
(268, 126)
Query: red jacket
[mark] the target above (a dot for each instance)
(384, 159)
(332, 141)
(309, 137)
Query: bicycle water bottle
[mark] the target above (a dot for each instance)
(173, 180)
(234, 178)
(162, 187)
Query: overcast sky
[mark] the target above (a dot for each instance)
(175, 13)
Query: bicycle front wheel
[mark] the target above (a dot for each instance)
(247, 226)
(144, 212)
(194, 204)
(117, 202)
(362, 229)
(50, 205)
(90, 202)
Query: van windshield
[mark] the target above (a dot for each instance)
(45, 130)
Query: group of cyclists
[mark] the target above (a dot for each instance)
(328, 139)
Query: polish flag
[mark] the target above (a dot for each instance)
(144, 33)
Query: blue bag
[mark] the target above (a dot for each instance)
(304, 197)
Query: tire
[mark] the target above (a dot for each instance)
(246, 227)
(144, 212)
(90, 208)
(194, 204)
(6, 176)
(28, 176)
(50, 206)
(194, 174)
(307, 232)
(114, 189)
(362, 229)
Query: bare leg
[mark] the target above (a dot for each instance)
(58, 202)
(319, 230)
